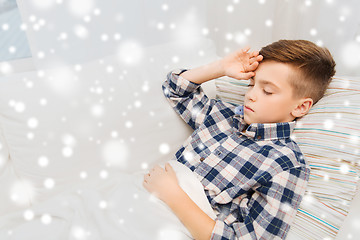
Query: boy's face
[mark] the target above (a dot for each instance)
(272, 102)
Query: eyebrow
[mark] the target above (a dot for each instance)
(264, 82)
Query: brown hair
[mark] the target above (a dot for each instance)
(314, 66)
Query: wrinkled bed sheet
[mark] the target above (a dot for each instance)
(120, 209)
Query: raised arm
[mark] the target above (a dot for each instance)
(239, 64)
(183, 88)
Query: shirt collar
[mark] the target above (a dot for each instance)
(262, 131)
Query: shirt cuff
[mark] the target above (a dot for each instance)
(180, 84)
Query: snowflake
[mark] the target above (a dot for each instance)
(164, 148)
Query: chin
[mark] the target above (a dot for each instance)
(247, 120)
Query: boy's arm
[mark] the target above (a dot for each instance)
(183, 88)
(204, 73)
(266, 214)
(239, 65)
(163, 183)
(188, 99)
(199, 224)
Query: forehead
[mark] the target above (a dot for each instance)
(275, 73)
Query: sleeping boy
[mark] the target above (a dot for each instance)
(253, 173)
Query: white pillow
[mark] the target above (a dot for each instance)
(67, 127)
(329, 138)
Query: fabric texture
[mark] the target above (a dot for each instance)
(75, 135)
(114, 208)
(328, 135)
(254, 181)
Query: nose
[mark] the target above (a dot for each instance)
(250, 94)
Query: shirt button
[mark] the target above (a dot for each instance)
(259, 137)
(202, 159)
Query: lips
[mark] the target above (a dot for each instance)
(246, 107)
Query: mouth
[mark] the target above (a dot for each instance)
(249, 109)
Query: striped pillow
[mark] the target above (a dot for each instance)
(329, 139)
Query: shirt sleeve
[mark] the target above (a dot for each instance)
(268, 213)
(187, 98)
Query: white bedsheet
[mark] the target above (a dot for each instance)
(120, 209)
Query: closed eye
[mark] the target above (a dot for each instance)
(267, 93)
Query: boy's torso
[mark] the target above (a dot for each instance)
(230, 161)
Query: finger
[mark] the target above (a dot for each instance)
(158, 168)
(252, 60)
(155, 167)
(246, 48)
(168, 168)
(250, 67)
(144, 183)
(245, 76)
(249, 75)
(256, 59)
(254, 54)
(253, 66)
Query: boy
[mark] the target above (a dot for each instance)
(253, 173)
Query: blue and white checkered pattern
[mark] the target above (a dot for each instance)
(255, 180)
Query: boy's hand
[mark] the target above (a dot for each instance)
(241, 64)
(162, 182)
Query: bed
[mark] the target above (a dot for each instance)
(74, 139)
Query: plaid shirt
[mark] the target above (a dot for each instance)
(255, 180)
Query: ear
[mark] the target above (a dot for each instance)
(302, 107)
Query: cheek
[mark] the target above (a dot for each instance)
(272, 102)
(280, 102)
